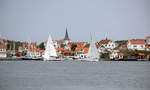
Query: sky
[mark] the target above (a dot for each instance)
(34, 20)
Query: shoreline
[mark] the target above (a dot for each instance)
(20, 59)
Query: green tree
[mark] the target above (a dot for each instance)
(73, 47)
(62, 45)
(42, 46)
(24, 53)
(104, 56)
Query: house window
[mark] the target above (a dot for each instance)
(142, 46)
(134, 46)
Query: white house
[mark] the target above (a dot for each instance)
(82, 53)
(57, 43)
(106, 45)
(147, 47)
(3, 51)
(34, 53)
(148, 40)
(113, 55)
(136, 44)
(116, 55)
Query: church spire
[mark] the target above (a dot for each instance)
(66, 35)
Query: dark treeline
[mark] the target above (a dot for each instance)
(13, 45)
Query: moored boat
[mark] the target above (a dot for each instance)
(50, 51)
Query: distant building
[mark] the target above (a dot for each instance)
(147, 47)
(3, 41)
(3, 47)
(27, 45)
(57, 43)
(147, 43)
(3, 53)
(34, 53)
(79, 45)
(106, 44)
(113, 55)
(116, 55)
(59, 51)
(66, 39)
(136, 44)
(148, 40)
(82, 53)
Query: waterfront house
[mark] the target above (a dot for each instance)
(11, 53)
(120, 55)
(148, 40)
(67, 52)
(59, 51)
(106, 45)
(3, 53)
(113, 54)
(123, 48)
(34, 53)
(82, 53)
(147, 47)
(27, 45)
(79, 44)
(57, 43)
(136, 44)
(116, 55)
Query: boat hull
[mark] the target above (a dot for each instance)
(52, 59)
(89, 59)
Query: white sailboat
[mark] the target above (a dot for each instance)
(93, 54)
(50, 51)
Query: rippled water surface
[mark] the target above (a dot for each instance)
(68, 75)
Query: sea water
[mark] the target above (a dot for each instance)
(69, 75)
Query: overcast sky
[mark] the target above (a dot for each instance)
(35, 19)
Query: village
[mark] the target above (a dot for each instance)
(135, 49)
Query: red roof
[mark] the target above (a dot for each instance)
(34, 50)
(123, 47)
(67, 51)
(59, 49)
(61, 55)
(78, 49)
(2, 46)
(42, 51)
(3, 52)
(141, 54)
(85, 50)
(22, 48)
(79, 44)
(148, 37)
(10, 51)
(137, 41)
(147, 46)
(104, 41)
(58, 41)
(120, 54)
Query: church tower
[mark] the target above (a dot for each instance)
(66, 38)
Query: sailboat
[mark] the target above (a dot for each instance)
(93, 54)
(50, 51)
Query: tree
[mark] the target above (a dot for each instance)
(104, 56)
(24, 53)
(42, 46)
(62, 45)
(13, 45)
(73, 47)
